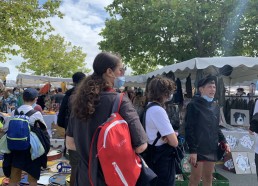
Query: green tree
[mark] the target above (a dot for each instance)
(54, 57)
(21, 21)
(148, 33)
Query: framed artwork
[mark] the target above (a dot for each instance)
(229, 163)
(241, 162)
(240, 117)
(239, 141)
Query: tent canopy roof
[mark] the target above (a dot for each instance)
(244, 69)
(25, 80)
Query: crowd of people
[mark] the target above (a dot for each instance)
(11, 99)
(89, 104)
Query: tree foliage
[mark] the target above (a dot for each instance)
(54, 57)
(23, 21)
(148, 33)
(26, 31)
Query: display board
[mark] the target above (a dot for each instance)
(242, 144)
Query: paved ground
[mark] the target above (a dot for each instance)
(238, 179)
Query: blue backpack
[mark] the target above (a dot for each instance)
(18, 133)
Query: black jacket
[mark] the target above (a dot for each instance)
(254, 123)
(202, 126)
(64, 110)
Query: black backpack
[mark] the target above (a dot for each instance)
(152, 154)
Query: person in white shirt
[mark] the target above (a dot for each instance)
(157, 122)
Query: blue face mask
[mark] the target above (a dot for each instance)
(34, 105)
(207, 98)
(119, 81)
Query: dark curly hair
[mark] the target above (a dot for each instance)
(86, 96)
(159, 87)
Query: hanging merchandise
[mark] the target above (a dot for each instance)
(188, 87)
(45, 89)
(178, 96)
(252, 88)
(64, 87)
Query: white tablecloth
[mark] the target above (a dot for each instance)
(49, 119)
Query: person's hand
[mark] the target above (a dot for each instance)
(193, 159)
(227, 148)
(251, 132)
(165, 139)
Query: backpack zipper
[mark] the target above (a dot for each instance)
(109, 127)
(120, 174)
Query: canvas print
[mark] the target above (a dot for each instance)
(241, 162)
(240, 117)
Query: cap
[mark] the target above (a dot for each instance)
(206, 80)
(30, 93)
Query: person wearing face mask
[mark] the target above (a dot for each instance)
(91, 106)
(161, 135)
(202, 132)
(18, 96)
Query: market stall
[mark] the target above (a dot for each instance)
(231, 71)
(25, 80)
(244, 70)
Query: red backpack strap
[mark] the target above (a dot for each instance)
(117, 103)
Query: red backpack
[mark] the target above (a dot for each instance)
(119, 162)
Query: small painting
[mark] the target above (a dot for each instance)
(240, 117)
(241, 163)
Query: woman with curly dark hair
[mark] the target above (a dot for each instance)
(161, 135)
(91, 106)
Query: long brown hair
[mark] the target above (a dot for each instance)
(86, 96)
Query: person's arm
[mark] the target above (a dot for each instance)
(172, 140)
(223, 140)
(191, 119)
(62, 112)
(159, 118)
(141, 148)
(138, 135)
(69, 142)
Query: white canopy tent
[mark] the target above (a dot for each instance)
(245, 70)
(25, 80)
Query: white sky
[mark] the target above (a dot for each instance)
(81, 25)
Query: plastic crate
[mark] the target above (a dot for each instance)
(219, 180)
(183, 182)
